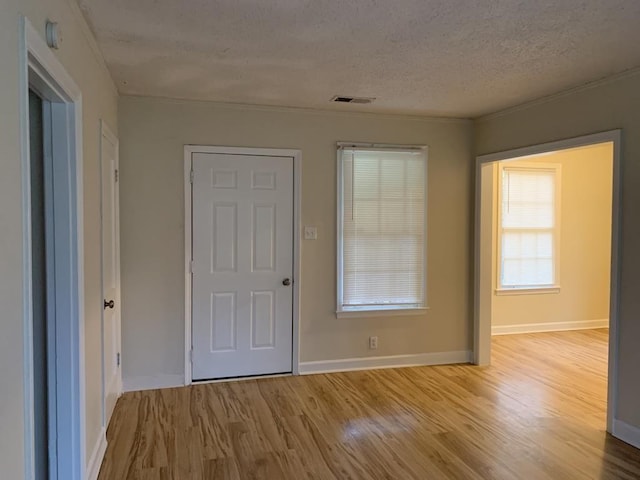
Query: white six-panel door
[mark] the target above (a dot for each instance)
(242, 244)
(110, 273)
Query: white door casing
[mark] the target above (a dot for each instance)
(110, 272)
(42, 71)
(242, 247)
(483, 263)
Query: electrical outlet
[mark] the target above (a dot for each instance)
(373, 343)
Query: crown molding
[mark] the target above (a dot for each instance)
(564, 93)
(300, 110)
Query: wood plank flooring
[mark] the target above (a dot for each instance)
(537, 413)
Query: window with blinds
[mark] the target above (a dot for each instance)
(381, 228)
(529, 226)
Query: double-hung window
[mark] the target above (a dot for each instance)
(529, 226)
(381, 230)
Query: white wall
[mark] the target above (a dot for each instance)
(153, 132)
(83, 62)
(584, 253)
(604, 106)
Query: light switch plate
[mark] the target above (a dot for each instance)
(310, 233)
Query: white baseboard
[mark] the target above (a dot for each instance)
(627, 433)
(369, 363)
(152, 382)
(548, 327)
(97, 455)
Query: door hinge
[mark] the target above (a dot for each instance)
(191, 176)
(191, 355)
(191, 266)
(118, 358)
(116, 175)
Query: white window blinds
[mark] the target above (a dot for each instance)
(529, 225)
(383, 229)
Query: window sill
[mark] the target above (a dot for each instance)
(381, 312)
(529, 291)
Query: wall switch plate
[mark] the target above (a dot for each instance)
(310, 233)
(373, 343)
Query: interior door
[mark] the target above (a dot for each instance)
(110, 273)
(242, 207)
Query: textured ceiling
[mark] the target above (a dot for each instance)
(457, 58)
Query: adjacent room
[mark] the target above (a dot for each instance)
(545, 245)
(552, 241)
(319, 240)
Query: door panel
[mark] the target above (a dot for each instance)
(262, 319)
(264, 238)
(225, 234)
(242, 251)
(223, 322)
(110, 274)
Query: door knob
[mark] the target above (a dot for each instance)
(109, 304)
(286, 282)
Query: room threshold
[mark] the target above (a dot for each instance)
(240, 379)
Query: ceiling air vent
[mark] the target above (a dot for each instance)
(359, 100)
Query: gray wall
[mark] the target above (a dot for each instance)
(154, 132)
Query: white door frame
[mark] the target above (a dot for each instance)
(41, 70)
(189, 150)
(105, 131)
(482, 317)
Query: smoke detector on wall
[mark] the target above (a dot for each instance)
(54, 36)
(347, 99)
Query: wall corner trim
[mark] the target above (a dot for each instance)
(152, 382)
(549, 327)
(97, 455)
(392, 361)
(626, 432)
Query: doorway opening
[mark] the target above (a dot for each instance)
(42, 288)
(50, 110)
(547, 256)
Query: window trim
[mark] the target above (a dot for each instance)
(528, 290)
(553, 288)
(381, 312)
(375, 310)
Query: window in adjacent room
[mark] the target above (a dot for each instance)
(381, 230)
(528, 226)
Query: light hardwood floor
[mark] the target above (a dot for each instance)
(537, 413)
